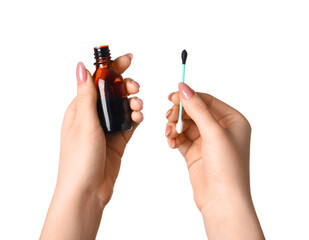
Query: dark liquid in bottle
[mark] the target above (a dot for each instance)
(113, 105)
(114, 115)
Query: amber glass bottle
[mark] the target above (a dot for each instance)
(113, 105)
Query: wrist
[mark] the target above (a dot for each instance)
(222, 198)
(232, 217)
(77, 195)
(72, 215)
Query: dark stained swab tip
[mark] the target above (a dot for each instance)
(184, 55)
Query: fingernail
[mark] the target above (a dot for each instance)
(168, 113)
(130, 55)
(172, 142)
(81, 73)
(140, 101)
(170, 96)
(135, 83)
(185, 91)
(142, 115)
(168, 130)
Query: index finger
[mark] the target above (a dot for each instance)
(123, 62)
(217, 108)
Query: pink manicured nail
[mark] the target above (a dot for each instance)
(168, 113)
(81, 73)
(168, 130)
(142, 115)
(140, 101)
(172, 142)
(185, 91)
(135, 83)
(130, 55)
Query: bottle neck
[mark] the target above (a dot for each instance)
(102, 57)
(103, 63)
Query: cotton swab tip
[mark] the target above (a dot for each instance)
(179, 126)
(184, 55)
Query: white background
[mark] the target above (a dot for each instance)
(253, 55)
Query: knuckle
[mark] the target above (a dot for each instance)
(244, 122)
(85, 98)
(248, 125)
(81, 98)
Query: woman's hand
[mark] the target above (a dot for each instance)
(215, 143)
(89, 160)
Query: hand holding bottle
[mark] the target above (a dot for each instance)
(83, 139)
(215, 143)
(89, 160)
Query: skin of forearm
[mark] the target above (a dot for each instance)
(232, 217)
(72, 215)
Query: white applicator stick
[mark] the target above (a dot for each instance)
(179, 125)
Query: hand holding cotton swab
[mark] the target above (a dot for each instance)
(179, 125)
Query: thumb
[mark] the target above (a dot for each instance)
(86, 92)
(197, 109)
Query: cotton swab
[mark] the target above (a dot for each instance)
(179, 125)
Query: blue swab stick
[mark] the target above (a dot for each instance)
(179, 125)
